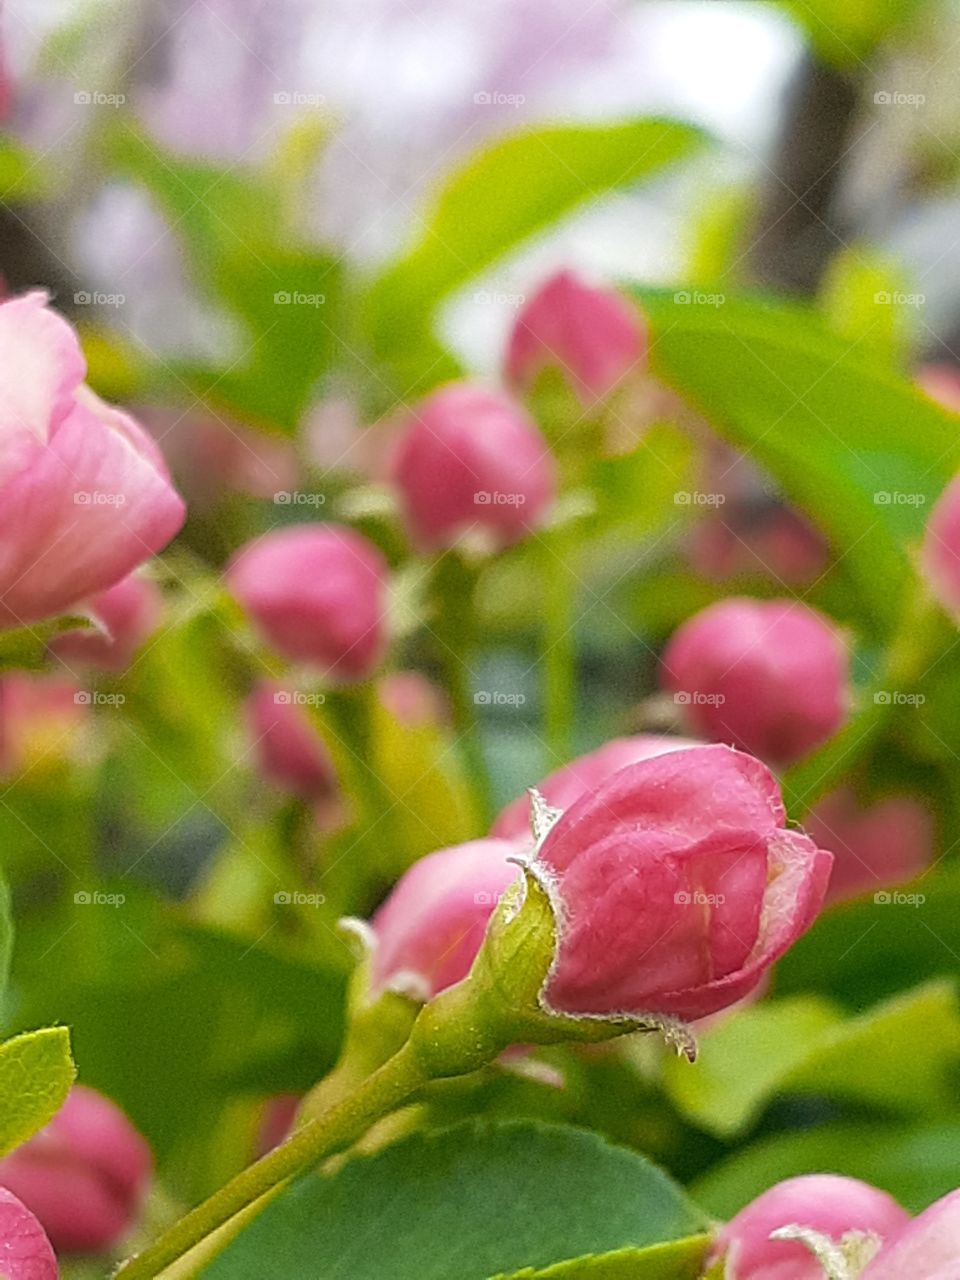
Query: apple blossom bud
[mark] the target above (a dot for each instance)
(471, 460)
(770, 677)
(875, 846)
(593, 334)
(567, 784)
(25, 1251)
(827, 1204)
(429, 929)
(85, 1175)
(413, 700)
(126, 615)
(84, 494)
(674, 886)
(940, 554)
(928, 1248)
(288, 748)
(317, 592)
(39, 717)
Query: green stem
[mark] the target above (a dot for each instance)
(305, 1147)
(559, 648)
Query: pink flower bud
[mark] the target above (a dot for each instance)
(430, 927)
(84, 494)
(85, 1175)
(471, 459)
(825, 1203)
(875, 846)
(288, 748)
(317, 592)
(770, 677)
(413, 700)
(674, 887)
(594, 334)
(39, 715)
(127, 614)
(569, 783)
(25, 1251)
(940, 554)
(928, 1248)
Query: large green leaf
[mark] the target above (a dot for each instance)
(471, 1203)
(851, 442)
(36, 1072)
(899, 1056)
(505, 193)
(915, 1164)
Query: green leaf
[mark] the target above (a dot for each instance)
(505, 193)
(916, 1164)
(851, 443)
(898, 1056)
(471, 1202)
(678, 1260)
(6, 935)
(36, 1072)
(847, 34)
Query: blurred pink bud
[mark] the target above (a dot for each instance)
(875, 846)
(84, 494)
(412, 699)
(823, 1202)
(277, 1120)
(127, 614)
(777, 544)
(570, 782)
(928, 1248)
(317, 592)
(770, 677)
(594, 334)
(85, 1175)
(38, 716)
(25, 1251)
(288, 748)
(676, 887)
(470, 459)
(430, 928)
(940, 554)
(941, 382)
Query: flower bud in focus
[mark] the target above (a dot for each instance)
(940, 554)
(429, 929)
(287, 747)
(876, 846)
(84, 493)
(824, 1203)
(85, 1175)
(568, 783)
(317, 592)
(928, 1248)
(25, 1251)
(127, 614)
(769, 677)
(470, 460)
(593, 334)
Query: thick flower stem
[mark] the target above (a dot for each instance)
(331, 1132)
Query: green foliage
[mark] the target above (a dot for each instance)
(478, 1203)
(36, 1072)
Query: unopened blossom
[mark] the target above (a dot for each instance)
(286, 745)
(928, 1248)
(940, 552)
(25, 1251)
(123, 617)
